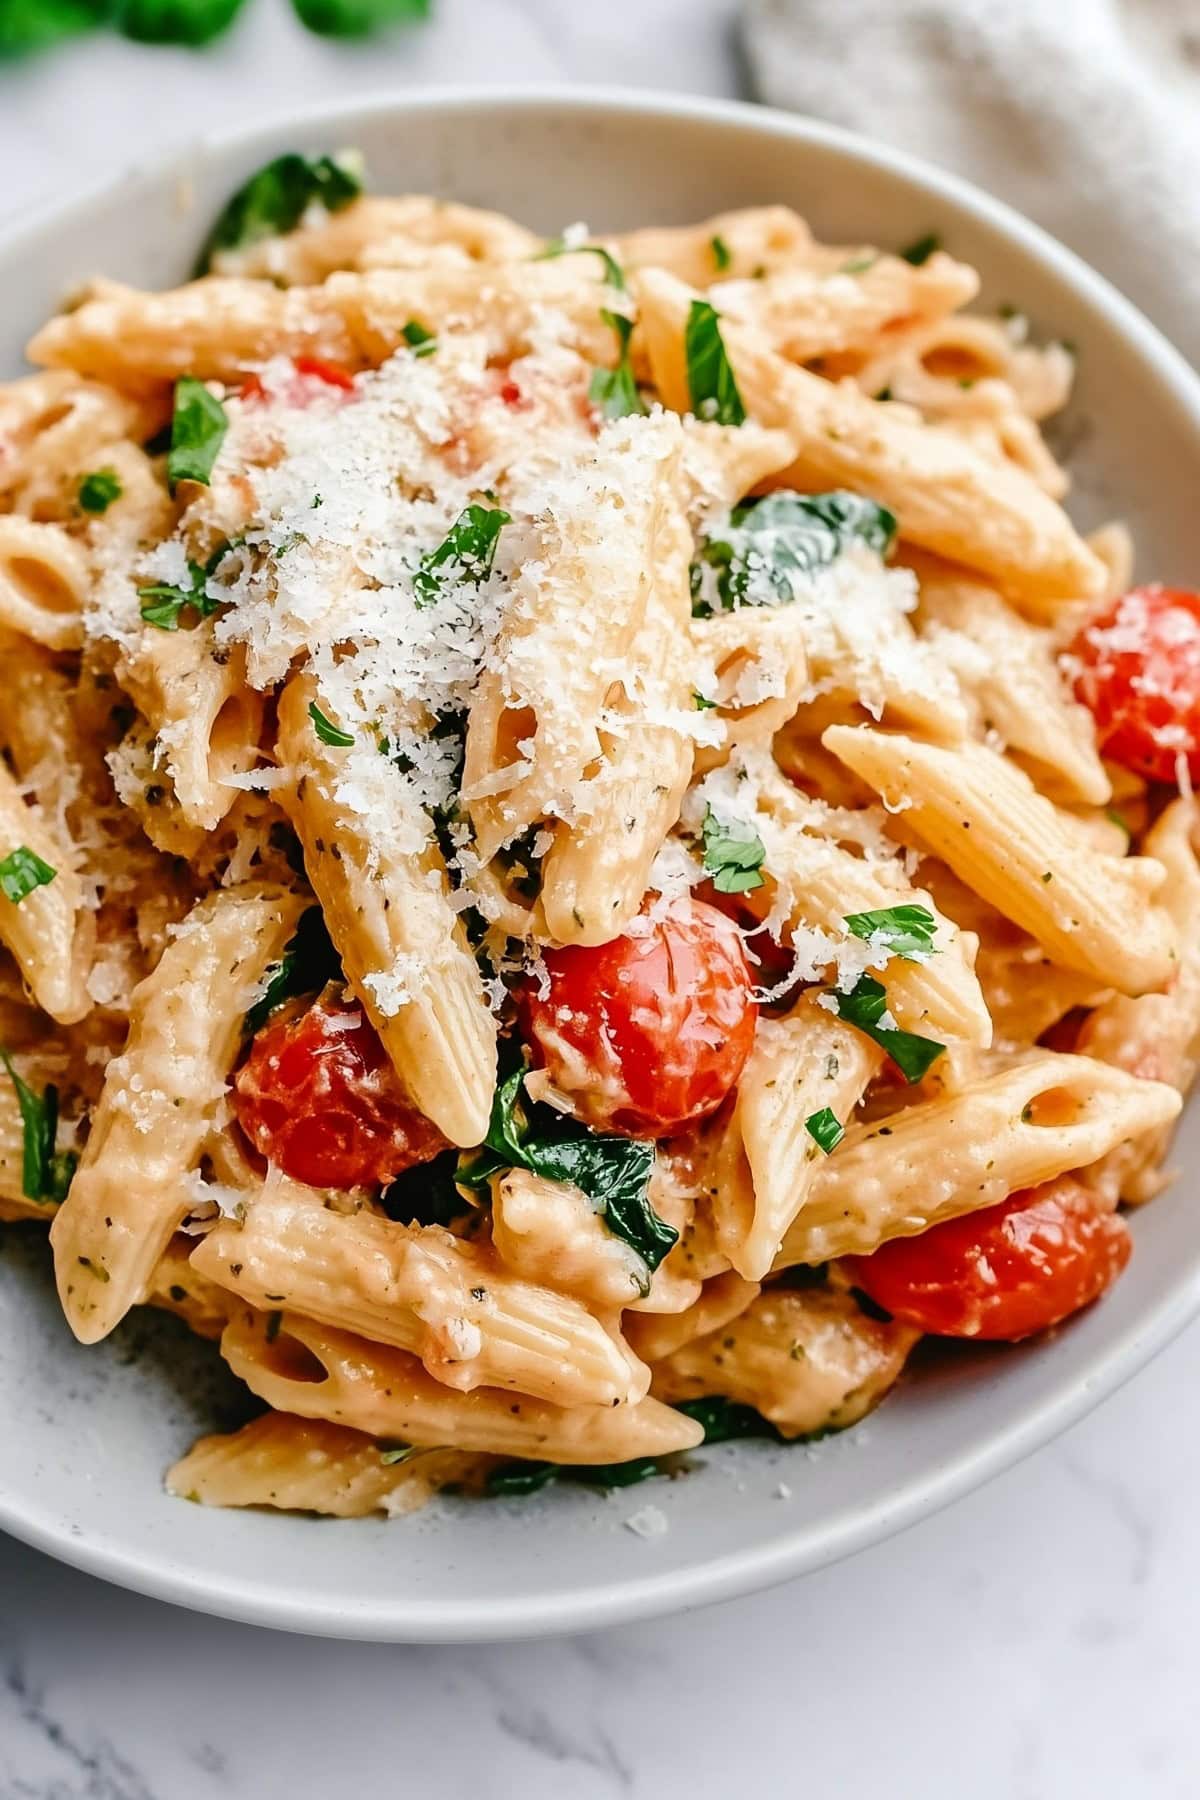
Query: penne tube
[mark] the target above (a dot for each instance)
(43, 583)
(48, 931)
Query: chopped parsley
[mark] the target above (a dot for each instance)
(420, 341)
(921, 251)
(701, 702)
(772, 543)
(614, 274)
(721, 254)
(98, 490)
(21, 871)
(163, 604)
(326, 730)
(905, 931)
(309, 960)
(470, 543)
(712, 387)
(614, 1172)
(614, 391)
(733, 855)
(864, 1006)
(45, 1173)
(825, 1129)
(198, 427)
(277, 196)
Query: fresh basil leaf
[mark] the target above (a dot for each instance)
(922, 250)
(733, 855)
(21, 871)
(426, 1194)
(309, 960)
(864, 1006)
(720, 253)
(327, 731)
(614, 275)
(198, 428)
(825, 1129)
(775, 542)
(356, 18)
(98, 490)
(712, 386)
(470, 543)
(420, 341)
(163, 603)
(192, 22)
(614, 1172)
(615, 391)
(724, 1419)
(276, 197)
(29, 25)
(905, 931)
(45, 1175)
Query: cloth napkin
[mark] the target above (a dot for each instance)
(1083, 114)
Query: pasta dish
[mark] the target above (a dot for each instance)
(586, 853)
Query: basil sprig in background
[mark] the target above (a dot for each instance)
(31, 25)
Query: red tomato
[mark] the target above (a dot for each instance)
(1004, 1272)
(309, 369)
(1138, 673)
(649, 1031)
(318, 1096)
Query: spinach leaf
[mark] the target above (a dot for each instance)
(825, 1129)
(307, 963)
(470, 543)
(614, 275)
(191, 22)
(724, 1419)
(21, 871)
(327, 731)
(356, 18)
(277, 196)
(614, 1172)
(45, 1173)
(615, 391)
(905, 931)
(198, 428)
(864, 1006)
(733, 855)
(426, 1194)
(711, 383)
(774, 541)
(512, 1479)
(98, 490)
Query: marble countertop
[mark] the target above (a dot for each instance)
(1035, 1642)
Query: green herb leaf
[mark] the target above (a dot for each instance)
(711, 383)
(774, 543)
(864, 1006)
(356, 18)
(615, 391)
(21, 871)
(45, 1175)
(397, 1453)
(420, 341)
(922, 250)
(470, 544)
(29, 25)
(190, 22)
(198, 429)
(98, 490)
(858, 265)
(825, 1129)
(162, 603)
(277, 196)
(733, 855)
(511, 1480)
(426, 1194)
(614, 275)
(614, 1172)
(309, 960)
(700, 703)
(724, 1419)
(905, 931)
(327, 731)
(720, 253)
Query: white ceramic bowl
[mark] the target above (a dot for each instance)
(86, 1433)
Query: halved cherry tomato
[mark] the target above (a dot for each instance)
(1138, 673)
(318, 1096)
(308, 369)
(652, 1030)
(1004, 1272)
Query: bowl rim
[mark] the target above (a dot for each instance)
(918, 1496)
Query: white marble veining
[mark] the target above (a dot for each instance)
(1036, 1642)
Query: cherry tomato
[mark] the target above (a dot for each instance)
(651, 1030)
(1004, 1272)
(308, 370)
(1138, 673)
(318, 1096)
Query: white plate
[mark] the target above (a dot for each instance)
(86, 1433)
